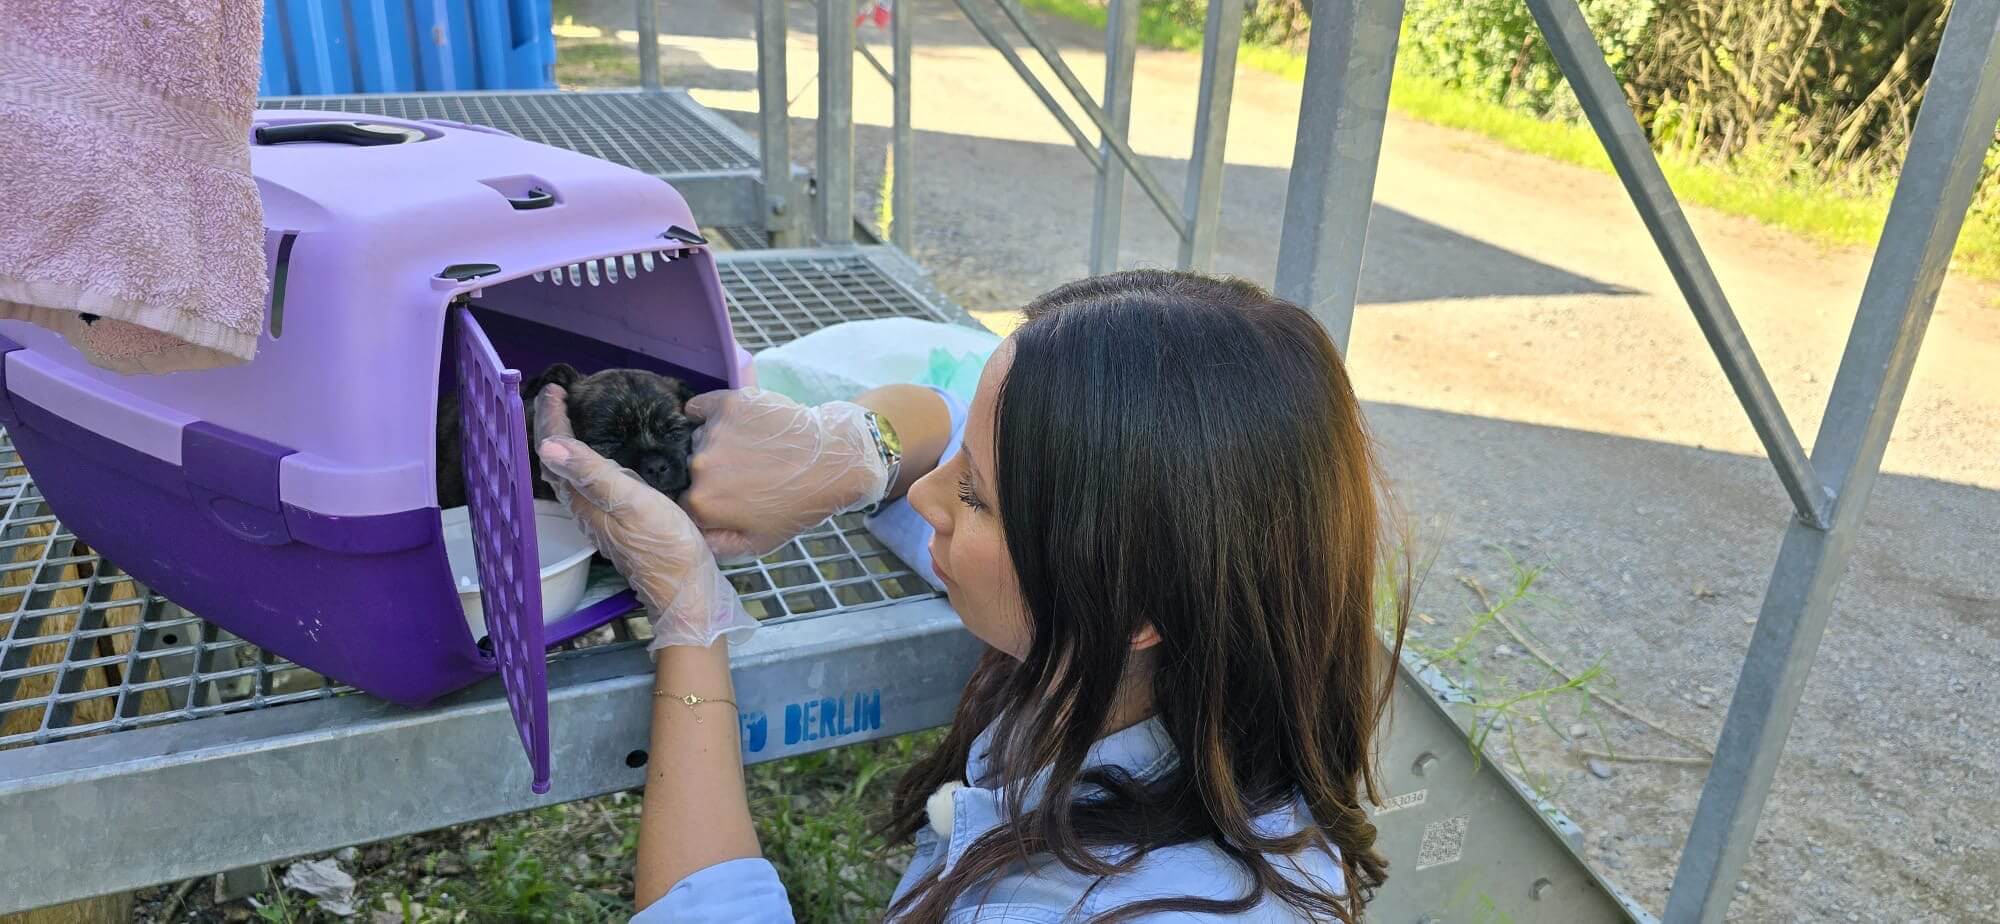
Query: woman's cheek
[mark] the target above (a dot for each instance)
(1001, 613)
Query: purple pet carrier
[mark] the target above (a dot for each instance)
(292, 500)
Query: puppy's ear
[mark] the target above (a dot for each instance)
(562, 374)
(559, 374)
(682, 391)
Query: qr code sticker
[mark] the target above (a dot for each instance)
(1444, 842)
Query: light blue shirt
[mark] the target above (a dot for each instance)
(1044, 892)
(747, 891)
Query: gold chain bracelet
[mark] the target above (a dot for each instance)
(690, 700)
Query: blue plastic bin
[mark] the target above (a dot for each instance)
(320, 47)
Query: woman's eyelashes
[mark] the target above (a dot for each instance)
(965, 495)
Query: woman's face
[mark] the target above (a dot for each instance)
(969, 549)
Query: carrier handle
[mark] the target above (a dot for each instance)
(537, 198)
(355, 133)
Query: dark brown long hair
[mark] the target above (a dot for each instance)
(1186, 452)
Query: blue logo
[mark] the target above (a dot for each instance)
(817, 719)
(756, 729)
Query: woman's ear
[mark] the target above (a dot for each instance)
(1145, 638)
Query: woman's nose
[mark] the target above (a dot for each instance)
(925, 500)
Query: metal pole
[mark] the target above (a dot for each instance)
(1006, 49)
(1121, 45)
(901, 160)
(868, 55)
(1350, 60)
(835, 125)
(1147, 182)
(1603, 100)
(1954, 127)
(1933, 195)
(774, 140)
(1211, 132)
(649, 44)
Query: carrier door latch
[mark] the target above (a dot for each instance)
(466, 272)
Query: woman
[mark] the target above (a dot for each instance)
(1163, 523)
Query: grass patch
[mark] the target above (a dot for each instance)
(572, 863)
(816, 817)
(599, 62)
(1756, 186)
(1504, 704)
(1752, 186)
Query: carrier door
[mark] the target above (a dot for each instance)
(502, 509)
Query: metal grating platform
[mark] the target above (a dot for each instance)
(780, 295)
(660, 133)
(85, 649)
(734, 237)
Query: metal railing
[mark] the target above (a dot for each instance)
(1193, 219)
(833, 211)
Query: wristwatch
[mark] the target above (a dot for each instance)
(890, 446)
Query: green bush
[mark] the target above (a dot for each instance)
(1277, 23)
(1494, 49)
(1802, 93)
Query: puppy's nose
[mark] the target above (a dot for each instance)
(659, 473)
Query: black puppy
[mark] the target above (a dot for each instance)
(632, 417)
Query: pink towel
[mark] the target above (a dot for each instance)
(128, 217)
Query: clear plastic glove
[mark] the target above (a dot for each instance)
(765, 468)
(650, 539)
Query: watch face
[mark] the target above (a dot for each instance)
(890, 440)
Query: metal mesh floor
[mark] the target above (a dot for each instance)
(660, 133)
(779, 298)
(734, 237)
(85, 649)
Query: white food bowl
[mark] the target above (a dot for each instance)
(565, 557)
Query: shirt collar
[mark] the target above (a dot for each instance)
(1144, 751)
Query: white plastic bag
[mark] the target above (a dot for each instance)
(325, 880)
(839, 362)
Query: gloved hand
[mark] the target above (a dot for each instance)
(650, 539)
(766, 468)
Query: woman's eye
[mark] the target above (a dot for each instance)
(965, 495)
